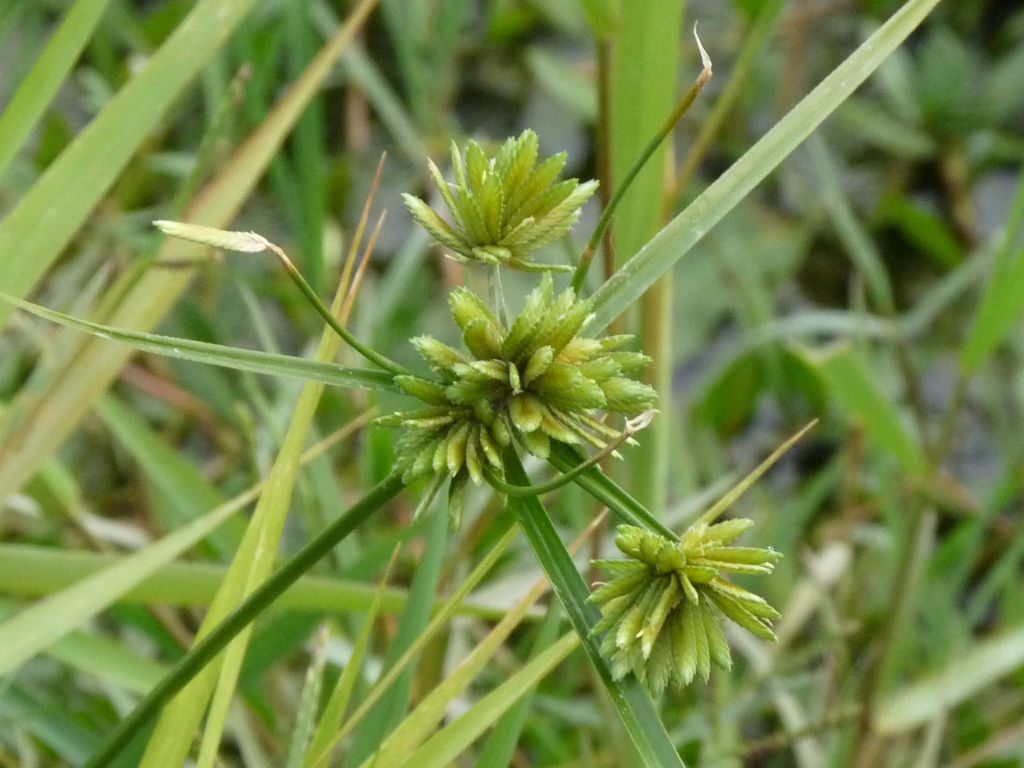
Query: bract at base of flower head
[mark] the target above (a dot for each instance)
(662, 608)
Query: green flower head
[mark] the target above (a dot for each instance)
(662, 608)
(536, 381)
(504, 207)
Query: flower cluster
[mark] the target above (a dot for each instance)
(536, 381)
(504, 207)
(662, 608)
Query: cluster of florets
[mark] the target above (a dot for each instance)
(662, 608)
(505, 207)
(536, 381)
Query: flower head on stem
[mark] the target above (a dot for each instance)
(504, 207)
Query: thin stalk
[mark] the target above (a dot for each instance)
(580, 275)
(607, 491)
(204, 651)
(604, 143)
(632, 427)
(738, 79)
(372, 355)
(716, 509)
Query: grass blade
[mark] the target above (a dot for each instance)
(851, 382)
(45, 622)
(1003, 301)
(38, 88)
(44, 221)
(411, 732)
(382, 717)
(446, 745)
(337, 704)
(29, 432)
(255, 361)
(679, 236)
(962, 677)
(500, 746)
(213, 642)
(34, 570)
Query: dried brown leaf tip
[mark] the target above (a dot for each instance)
(662, 608)
(503, 207)
(535, 381)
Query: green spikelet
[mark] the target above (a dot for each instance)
(662, 609)
(536, 381)
(503, 207)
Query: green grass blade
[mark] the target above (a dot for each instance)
(44, 221)
(29, 430)
(500, 746)
(382, 717)
(29, 570)
(851, 382)
(645, 74)
(308, 703)
(337, 704)
(441, 617)
(962, 677)
(214, 641)
(46, 621)
(446, 745)
(410, 733)
(1003, 301)
(686, 229)
(644, 86)
(38, 88)
(255, 361)
(631, 702)
(851, 233)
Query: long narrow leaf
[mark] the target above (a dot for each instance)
(41, 84)
(337, 704)
(44, 221)
(38, 571)
(686, 229)
(441, 617)
(206, 649)
(444, 747)
(35, 425)
(253, 360)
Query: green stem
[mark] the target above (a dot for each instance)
(739, 79)
(606, 216)
(564, 479)
(373, 356)
(201, 654)
(633, 705)
(607, 491)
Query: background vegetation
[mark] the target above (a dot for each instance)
(875, 280)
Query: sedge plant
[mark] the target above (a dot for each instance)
(537, 385)
(482, 408)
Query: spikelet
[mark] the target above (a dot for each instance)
(662, 608)
(536, 381)
(503, 207)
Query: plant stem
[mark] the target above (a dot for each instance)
(373, 356)
(631, 701)
(606, 216)
(201, 654)
(607, 491)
